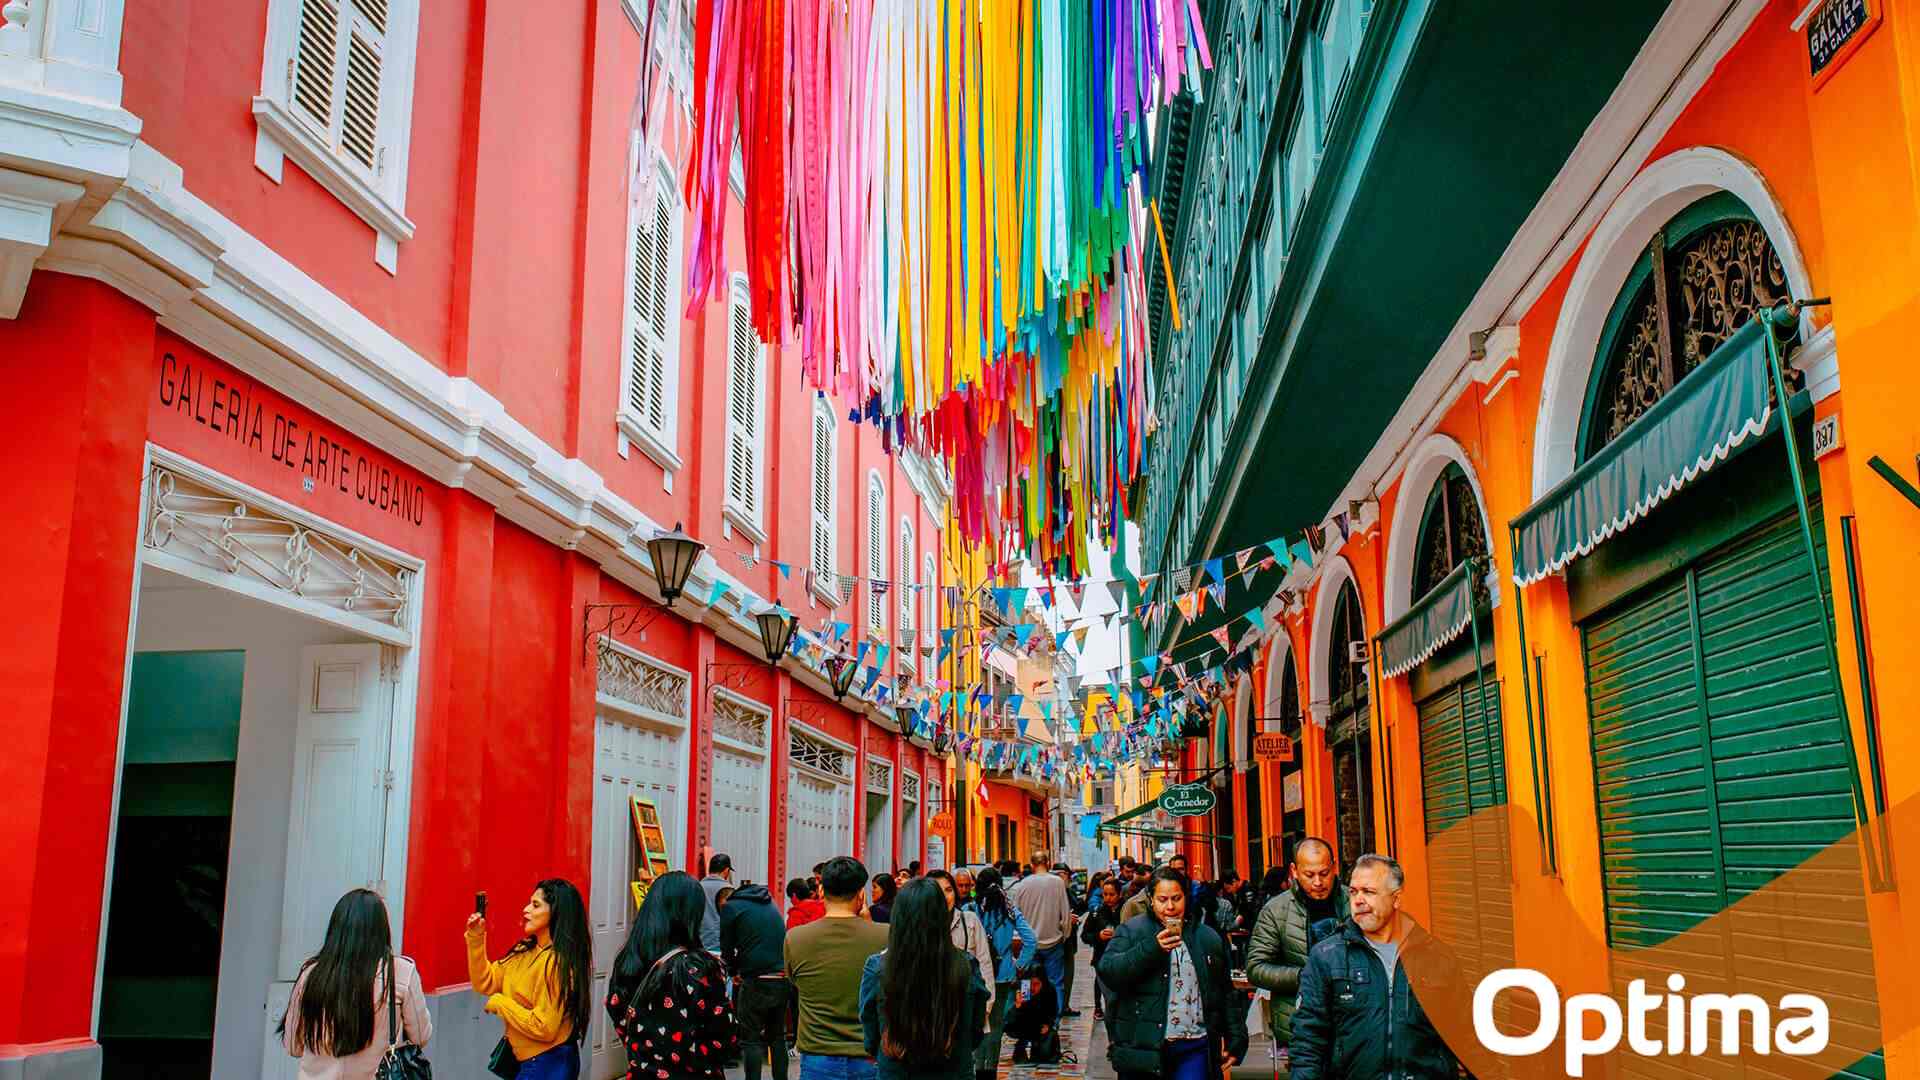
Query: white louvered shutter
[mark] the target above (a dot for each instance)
(822, 537)
(743, 411)
(905, 587)
(648, 348)
(335, 73)
(876, 556)
(930, 588)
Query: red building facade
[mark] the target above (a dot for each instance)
(354, 369)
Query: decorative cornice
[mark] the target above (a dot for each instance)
(137, 228)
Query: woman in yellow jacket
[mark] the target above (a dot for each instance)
(542, 988)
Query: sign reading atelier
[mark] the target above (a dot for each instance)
(1834, 29)
(1187, 800)
(1272, 748)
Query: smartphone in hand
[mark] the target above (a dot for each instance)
(480, 903)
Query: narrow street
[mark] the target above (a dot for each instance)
(1086, 1042)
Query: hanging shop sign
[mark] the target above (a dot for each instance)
(1272, 748)
(941, 822)
(1835, 30)
(1187, 800)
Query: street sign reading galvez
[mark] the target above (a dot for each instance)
(1187, 800)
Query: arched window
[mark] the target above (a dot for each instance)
(1348, 730)
(1346, 665)
(1450, 533)
(1704, 275)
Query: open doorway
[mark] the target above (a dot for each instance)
(254, 790)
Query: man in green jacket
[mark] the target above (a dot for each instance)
(1288, 926)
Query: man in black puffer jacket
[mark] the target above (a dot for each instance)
(753, 940)
(1173, 1012)
(1359, 1016)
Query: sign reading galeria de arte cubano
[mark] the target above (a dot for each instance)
(1187, 800)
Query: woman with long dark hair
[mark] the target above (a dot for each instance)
(969, 936)
(922, 1004)
(1011, 940)
(668, 996)
(336, 1022)
(884, 890)
(543, 988)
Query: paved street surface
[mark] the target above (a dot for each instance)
(1087, 1042)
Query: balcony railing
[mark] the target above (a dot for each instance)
(1281, 82)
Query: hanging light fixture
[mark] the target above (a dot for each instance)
(777, 626)
(840, 669)
(673, 554)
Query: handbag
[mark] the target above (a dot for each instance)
(402, 1060)
(501, 1062)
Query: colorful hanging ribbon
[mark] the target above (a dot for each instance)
(944, 214)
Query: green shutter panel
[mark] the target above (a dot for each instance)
(1721, 762)
(1462, 772)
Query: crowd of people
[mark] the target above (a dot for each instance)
(915, 974)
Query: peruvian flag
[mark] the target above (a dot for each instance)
(981, 792)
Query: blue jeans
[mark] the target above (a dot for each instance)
(1186, 1059)
(1053, 959)
(560, 1063)
(829, 1067)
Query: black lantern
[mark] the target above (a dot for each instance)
(673, 554)
(776, 632)
(840, 674)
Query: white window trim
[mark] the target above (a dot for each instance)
(906, 632)
(660, 446)
(876, 556)
(381, 202)
(826, 586)
(743, 518)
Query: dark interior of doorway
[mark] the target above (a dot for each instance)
(169, 883)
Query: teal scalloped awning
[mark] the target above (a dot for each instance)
(1430, 623)
(1716, 407)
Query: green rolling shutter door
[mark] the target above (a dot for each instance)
(1721, 762)
(1462, 771)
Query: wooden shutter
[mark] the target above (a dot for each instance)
(314, 63)
(876, 555)
(360, 105)
(743, 411)
(1721, 762)
(648, 346)
(333, 36)
(905, 585)
(930, 588)
(822, 537)
(1461, 772)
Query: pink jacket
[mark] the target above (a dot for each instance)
(316, 1064)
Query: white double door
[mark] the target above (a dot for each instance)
(631, 757)
(739, 810)
(819, 819)
(337, 822)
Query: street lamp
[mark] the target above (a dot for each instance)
(840, 674)
(777, 627)
(673, 554)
